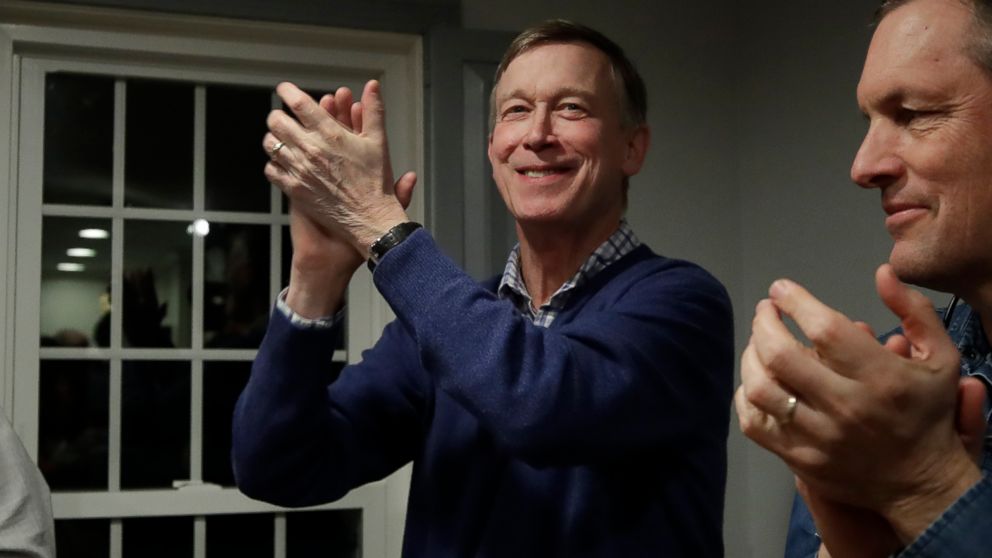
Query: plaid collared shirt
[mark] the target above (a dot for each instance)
(512, 287)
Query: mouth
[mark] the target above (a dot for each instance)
(893, 207)
(902, 214)
(542, 171)
(538, 173)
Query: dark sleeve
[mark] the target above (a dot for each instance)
(303, 435)
(802, 541)
(653, 367)
(964, 530)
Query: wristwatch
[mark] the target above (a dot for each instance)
(390, 240)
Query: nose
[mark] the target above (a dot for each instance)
(539, 131)
(877, 163)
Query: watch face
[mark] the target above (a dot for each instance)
(389, 240)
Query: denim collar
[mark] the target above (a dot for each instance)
(969, 336)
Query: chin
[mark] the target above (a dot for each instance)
(923, 272)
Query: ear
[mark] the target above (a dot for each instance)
(489, 152)
(638, 141)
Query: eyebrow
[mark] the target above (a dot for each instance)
(898, 96)
(566, 91)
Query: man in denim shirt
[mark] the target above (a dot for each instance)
(887, 441)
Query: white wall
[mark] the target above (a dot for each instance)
(755, 125)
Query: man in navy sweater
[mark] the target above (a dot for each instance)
(576, 406)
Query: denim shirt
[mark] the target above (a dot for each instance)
(964, 530)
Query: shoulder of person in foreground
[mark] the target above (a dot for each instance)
(27, 529)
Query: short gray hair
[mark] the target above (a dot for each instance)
(631, 92)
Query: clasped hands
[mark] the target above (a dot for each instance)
(333, 163)
(884, 437)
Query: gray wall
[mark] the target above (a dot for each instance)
(799, 127)
(755, 124)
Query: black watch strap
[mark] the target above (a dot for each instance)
(390, 240)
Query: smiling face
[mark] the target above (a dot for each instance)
(558, 149)
(929, 144)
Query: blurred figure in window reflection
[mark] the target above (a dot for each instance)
(143, 314)
(66, 338)
(238, 309)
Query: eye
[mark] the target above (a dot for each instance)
(908, 116)
(513, 112)
(572, 110)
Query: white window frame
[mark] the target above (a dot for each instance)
(35, 38)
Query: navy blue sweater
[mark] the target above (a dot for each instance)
(602, 435)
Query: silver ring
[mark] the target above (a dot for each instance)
(275, 149)
(790, 409)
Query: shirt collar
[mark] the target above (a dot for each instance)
(511, 286)
(968, 335)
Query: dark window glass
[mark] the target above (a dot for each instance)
(155, 423)
(243, 536)
(73, 413)
(329, 534)
(158, 154)
(157, 537)
(75, 282)
(234, 156)
(82, 538)
(236, 290)
(79, 139)
(222, 383)
(157, 284)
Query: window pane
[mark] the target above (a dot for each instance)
(243, 536)
(82, 538)
(155, 423)
(157, 537)
(235, 158)
(236, 309)
(222, 383)
(158, 167)
(75, 297)
(328, 534)
(79, 139)
(157, 284)
(73, 412)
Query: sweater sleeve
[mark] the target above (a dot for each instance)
(304, 435)
(652, 368)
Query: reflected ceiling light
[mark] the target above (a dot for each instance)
(80, 252)
(66, 266)
(199, 227)
(93, 233)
